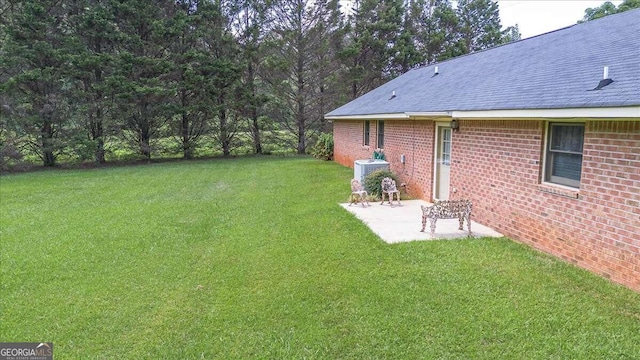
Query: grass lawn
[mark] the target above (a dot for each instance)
(252, 257)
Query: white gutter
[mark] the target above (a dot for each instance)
(631, 112)
(605, 112)
(368, 117)
(394, 116)
(429, 114)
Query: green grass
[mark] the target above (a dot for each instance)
(252, 257)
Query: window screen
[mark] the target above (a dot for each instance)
(367, 131)
(564, 154)
(381, 134)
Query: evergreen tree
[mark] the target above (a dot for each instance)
(192, 105)
(437, 35)
(222, 69)
(511, 34)
(36, 54)
(93, 24)
(405, 54)
(479, 24)
(251, 23)
(141, 70)
(370, 44)
(298, 65)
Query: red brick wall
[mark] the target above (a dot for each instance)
(610, 187)
(497, 164)
(348, 142)
(414, 139)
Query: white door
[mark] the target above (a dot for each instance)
(442, 162)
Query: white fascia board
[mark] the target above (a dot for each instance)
(394, 116)
(604, 112)
(429, 114)
(369, 117)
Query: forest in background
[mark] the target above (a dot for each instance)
(102, 80)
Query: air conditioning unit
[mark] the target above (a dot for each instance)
(362, 168)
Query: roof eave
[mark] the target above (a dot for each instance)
(390, 116)
(624, 112)
(630, 112)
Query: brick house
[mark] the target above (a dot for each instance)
(543, 135)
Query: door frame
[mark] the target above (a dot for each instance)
(436, 144)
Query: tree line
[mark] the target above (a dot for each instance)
(78, 76)
(608, 8)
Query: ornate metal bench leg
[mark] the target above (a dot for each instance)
(433, 225)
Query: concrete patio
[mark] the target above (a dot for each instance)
(402, 223)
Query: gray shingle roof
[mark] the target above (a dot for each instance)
(550, 71)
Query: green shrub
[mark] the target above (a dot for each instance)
(373, 181)
(323, 149)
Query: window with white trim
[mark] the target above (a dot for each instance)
(563, 155)
(367, 131)
(446, 146)
(380, 134)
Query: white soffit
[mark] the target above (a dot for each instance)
(605, 112)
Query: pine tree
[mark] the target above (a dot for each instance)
(251, 23)
(298, 65)
(511, 34)
(93, 25)
(479, 24)
(223, 71)
(36, 54)
(437, 34)
(406, 54)
(370, 44)
(192, 105)
(141, 70)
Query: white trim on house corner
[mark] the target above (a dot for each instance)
(631, 112)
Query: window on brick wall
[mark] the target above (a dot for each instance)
(563, 161)
(380, 134)
(367, 131)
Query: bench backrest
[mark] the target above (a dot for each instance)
(448, 208)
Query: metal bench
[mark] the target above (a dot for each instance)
(447, 209)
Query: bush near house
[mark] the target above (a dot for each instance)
(323, 149)
(373, 182)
